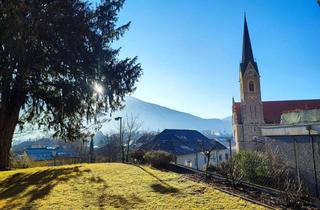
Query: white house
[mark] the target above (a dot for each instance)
(188, 147)
(199, 160)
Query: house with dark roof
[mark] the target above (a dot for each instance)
(252, 114)
(52, 154)
(144, 138)
(188, 146)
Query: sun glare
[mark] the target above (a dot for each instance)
(98, 88)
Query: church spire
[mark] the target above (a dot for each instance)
(247, 54)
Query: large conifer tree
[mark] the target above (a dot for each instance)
(52, 54)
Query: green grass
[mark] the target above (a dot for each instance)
(109, 186)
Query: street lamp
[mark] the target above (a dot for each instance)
(120, 135)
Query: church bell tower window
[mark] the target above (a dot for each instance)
(251, 86)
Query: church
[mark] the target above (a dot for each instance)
(252, 114)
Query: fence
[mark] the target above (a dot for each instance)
(301, 155)
(285, 163)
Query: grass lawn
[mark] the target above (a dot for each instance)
(109, 186)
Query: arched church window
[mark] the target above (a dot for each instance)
(251, 86)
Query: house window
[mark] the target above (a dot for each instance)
(189, 163)
(251, 86)
(220, 157)
(205, 159)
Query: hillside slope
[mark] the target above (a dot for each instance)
(109, 186)
(155, 117)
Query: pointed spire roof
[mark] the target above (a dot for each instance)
(247, 54)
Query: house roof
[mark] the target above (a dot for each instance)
(180, 142)
(146, 137)
(143, 139)
(272, 110)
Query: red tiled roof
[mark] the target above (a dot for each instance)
(272, 110)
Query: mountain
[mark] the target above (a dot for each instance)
(153, 118)
(157, 118)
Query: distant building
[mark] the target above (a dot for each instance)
(188, 147)
(52, 154)
(251, 114)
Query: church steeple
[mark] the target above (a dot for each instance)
(247, 54)
(249, 116)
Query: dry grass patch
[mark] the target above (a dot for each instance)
(109, 186)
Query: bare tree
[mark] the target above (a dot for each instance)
(206, 149)
(207, 153)
(132, 125)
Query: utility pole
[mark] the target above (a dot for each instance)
(309, 128)
(231, 162)
(296, 160)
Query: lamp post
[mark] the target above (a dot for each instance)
(120, 135)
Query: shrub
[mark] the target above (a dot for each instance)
(138, 156)
(158, 159)
(222, 169)
(251, 166)
(102, 159)
(21, 161)
(262, 169)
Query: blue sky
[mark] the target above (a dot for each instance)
(190, 50)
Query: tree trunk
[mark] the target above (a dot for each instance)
(5, 145)
(8, 121)
(7, 127)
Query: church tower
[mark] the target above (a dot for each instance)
(251, 105)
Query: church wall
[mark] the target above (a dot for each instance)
(238, 136)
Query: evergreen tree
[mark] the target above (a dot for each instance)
(53, 53)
